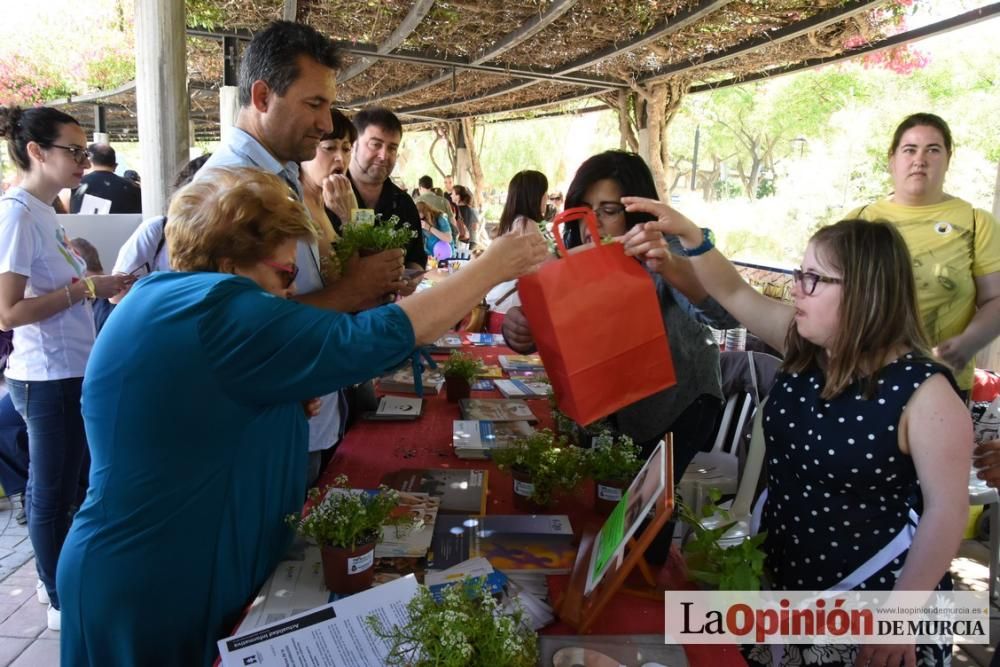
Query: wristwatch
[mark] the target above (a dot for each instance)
(707, 243)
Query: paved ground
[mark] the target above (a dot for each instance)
(26, 642)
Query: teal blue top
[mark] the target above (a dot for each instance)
(193, 406)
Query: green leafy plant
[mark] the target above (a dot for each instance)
(737, 568)
(612, 458)
(467, 628)
(552, 463)
(383, 235)
(345, 517)
(461, 365)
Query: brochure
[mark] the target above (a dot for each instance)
(460, 491)
(496, 409)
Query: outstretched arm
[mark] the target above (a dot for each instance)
(766, 318)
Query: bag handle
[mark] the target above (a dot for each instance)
(584, 213)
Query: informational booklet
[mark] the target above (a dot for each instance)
(410, 541)
(490, 371)
(397, 408)
(482, 384)
(446, 344)
(537, 542)
(460, 491)
(496, 409)
(401, 380)
(476, 439)
(295, 586)
(522, 389)
(485, 339)
(333, 634)
(520, 362)
(637, 501)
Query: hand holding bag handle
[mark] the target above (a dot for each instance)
(579, 213)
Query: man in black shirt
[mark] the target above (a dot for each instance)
(124, 195)
(372, 162)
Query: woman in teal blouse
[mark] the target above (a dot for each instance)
(193, 402)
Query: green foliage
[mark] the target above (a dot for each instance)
(612, 459)
(461, 365)
(553, 464)
(348, 517)
(383, 235)
(736, 568)
(204, 13)
(467, 628)
(109, 71)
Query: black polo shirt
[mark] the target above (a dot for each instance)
(124, 195)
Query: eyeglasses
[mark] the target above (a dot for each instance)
(609, 210)
(808, 280)
(80, 155)
(288, 272)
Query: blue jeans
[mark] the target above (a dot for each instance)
(56, 446)
(13, 449)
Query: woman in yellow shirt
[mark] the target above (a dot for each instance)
(955, 247)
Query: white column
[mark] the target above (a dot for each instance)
(161, 97)
(229, 108)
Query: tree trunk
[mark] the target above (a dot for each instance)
(478, 180)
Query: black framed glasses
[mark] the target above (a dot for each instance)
(80, 155)
(808, 280)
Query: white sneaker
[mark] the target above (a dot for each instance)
(41, 593)
(54, 618)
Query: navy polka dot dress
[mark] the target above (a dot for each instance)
(839, 488)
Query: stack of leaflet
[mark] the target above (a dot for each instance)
(485, 339)
(476, 439)
(446, 344)
(523, 389)
(412, 541)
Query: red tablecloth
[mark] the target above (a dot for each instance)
(372, 448)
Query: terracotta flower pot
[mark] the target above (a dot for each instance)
(607, 493)
(523, 488)
(457, 388)
(348, 571)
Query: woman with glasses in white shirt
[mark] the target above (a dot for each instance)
(44, 298)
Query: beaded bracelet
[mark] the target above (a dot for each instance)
(69, 297)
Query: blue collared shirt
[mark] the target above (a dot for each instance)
(239, 149)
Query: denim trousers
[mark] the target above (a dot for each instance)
(13, 449)
(56, 446)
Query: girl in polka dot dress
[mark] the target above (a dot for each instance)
(859, 415)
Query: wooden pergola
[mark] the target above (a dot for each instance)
(443, 64)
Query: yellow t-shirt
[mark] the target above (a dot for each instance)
(951, 244)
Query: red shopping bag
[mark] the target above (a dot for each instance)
(597, 323)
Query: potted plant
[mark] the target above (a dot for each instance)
(467, 627)
(612, 463)
(714, 561)
(541, 466)
(459, 370)
(347, 523)
(370, 238)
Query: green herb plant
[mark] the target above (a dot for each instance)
(383, 235)
(348, 517)
(736, 568)
(552, 464)
(612, 459)
(467, 628)
(461, 365)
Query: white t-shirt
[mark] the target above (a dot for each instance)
(33, 244)
(140, 248)
(503, 291)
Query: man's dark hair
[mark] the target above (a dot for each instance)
(426, 182)
(86, 249)
(273, 54)
(103, 155)
(379, 117)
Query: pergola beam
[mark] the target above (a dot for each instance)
(663, 29)
(417, 12)
(960, 21)
(554, 11)
(793, 31)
